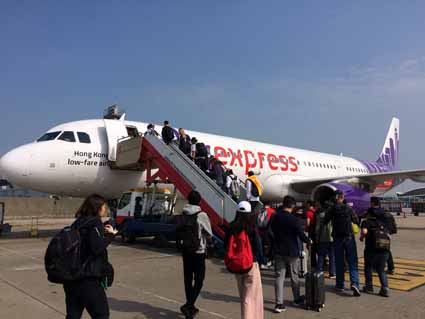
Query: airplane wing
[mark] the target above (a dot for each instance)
(307, 185)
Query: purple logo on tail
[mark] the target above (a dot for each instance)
(390, 152)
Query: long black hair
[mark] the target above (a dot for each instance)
(244, 221)
(91, 206)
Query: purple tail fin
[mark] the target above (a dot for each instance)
(389, 155)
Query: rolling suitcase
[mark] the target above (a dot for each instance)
(314, 288)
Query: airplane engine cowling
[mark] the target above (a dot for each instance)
(275, 188)
(357, 198)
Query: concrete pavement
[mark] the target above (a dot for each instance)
(149, 284)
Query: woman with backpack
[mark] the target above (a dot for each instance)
(97, 273)
(232, 185)
(241, 258)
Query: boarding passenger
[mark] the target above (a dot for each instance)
(324, 241)
(311, 229)
(196, 232)
(167, 133)
(89, 292)
(263, 222)
(254, 190)
(376, 231)
(393, 230)
(233, 185)
(249, 282)
(343, 218)
(287, 232)
(151, 130)
(219, 173)
(184, 142)
(199, 154)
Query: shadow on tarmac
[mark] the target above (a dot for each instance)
(147, 310)
(219, 297)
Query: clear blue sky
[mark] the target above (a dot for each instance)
(323, 75)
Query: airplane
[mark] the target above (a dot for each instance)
(73, 159)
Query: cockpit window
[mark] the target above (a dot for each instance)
(67, 136)
(83, 137)
(48, 136)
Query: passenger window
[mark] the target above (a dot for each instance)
(125, 200)
(67, 136)
(48, 136)
(83, 137)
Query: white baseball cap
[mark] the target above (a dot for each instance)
(244, 207)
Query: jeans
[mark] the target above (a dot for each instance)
(346, 249)
(194, 275)
(280, 272)
(262, 259)
(326, 249)
(86, 294)
(375, 260)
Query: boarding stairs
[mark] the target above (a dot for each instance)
(168, 164)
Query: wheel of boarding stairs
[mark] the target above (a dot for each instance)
(160, 241)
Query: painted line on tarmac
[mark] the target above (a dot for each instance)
(151, 294)
(10, 284)
(28, 268)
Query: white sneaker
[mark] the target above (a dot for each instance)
(264, 267)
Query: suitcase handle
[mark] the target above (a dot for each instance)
(309, 261)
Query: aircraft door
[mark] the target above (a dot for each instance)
(115, 130)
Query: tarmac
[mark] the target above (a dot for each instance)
(149, 282)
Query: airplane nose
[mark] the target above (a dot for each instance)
(14, 165)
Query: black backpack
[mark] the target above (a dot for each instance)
(201, 150)
(62, 260)
(167, 134)
(382, 238)
(254, 189)
(187, 235)
(342, 227)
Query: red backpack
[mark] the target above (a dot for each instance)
(239, 258)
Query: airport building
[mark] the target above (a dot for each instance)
(411, 201)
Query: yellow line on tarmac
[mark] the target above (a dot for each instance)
(410, 274)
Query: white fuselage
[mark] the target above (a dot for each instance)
(79, 169)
